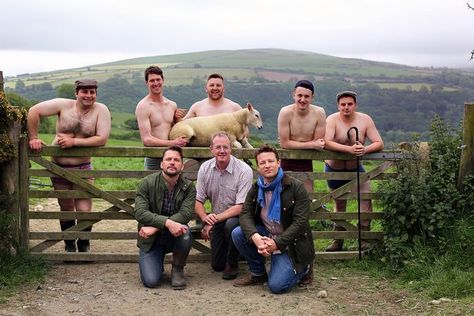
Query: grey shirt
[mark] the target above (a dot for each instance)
(224, 188)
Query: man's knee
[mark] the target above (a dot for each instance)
(277, 287)
(237, 234)
(151, 282)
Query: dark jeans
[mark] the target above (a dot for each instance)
(151, 262)
(222, 247)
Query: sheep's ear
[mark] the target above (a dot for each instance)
(249, 106)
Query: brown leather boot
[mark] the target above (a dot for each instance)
(177, 278)
(336, 244)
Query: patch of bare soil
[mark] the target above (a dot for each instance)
(115, 289)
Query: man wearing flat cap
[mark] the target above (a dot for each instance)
(301, 125)
(82, 122)
(341, 137)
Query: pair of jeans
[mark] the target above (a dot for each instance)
(151, 263)
(222, 248)
(282, 276)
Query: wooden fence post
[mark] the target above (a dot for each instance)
(467, 156)
(1, 81)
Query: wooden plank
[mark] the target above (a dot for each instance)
(201, 247)
(345, 215)
(108, 257)
(70, 235)
(466, 166)
(105, 173)
(347, 196)
(80, 226)
(83, 184)
(81, 215)
(354, 234)
(204, 152)
(23, 192)
(336, 255)
(365, 176)
(69, 194)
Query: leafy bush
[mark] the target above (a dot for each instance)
(422, 205)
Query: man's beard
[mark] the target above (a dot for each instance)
(171, 174)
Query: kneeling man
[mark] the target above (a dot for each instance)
(164, 204)
(274, 222)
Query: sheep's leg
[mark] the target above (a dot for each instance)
(246, 143)
(236, 144)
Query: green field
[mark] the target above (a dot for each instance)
(181, 69)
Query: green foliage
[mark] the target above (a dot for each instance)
(423, 204)
(18, 270)
(132, 124)
(66, 90)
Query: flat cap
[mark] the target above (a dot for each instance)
(346, 93)
(86, 83)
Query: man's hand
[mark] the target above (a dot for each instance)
(65, 141)
(261, 245)
(211, 219)
(147, 231)
(271, 244)
(359, 149)
(319, 144)
(206, 232)
(176, 229)
(36, 144)
(181, 141)
(179, 114)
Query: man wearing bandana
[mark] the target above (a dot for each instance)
(274, 223)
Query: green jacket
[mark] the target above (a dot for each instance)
(296, 238)
(149, 202)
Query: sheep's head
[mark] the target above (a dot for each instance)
(255, 119)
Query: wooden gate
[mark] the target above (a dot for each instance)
(121, 201)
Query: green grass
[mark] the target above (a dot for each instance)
(182, 68)
(19, 270)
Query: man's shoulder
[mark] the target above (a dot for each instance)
(102, 107)
(234, 105)
(317, 108)
(287, 109)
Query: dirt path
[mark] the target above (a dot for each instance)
(115, 289)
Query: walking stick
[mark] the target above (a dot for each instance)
(358, 189)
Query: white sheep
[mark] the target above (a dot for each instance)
(198, 130)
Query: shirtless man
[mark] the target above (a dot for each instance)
(81, 122)
(155, 116)
(215, 103)
(337, 125)
(301, 125)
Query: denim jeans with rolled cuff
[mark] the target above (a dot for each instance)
(282, 276)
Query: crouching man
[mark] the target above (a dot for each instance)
(274, 222)
(164, 204)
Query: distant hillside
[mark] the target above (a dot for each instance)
(237, 64)
(402, 99)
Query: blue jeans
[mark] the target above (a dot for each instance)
(151, 262)
(282, 276)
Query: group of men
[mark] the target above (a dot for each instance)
(269, 218)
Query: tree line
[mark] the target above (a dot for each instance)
(398, 113)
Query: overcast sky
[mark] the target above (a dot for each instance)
(45, 35)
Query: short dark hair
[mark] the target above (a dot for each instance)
(153, 70)
(266, 148)
(218, 76)
(178, 149)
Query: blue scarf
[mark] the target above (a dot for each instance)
(275, 186)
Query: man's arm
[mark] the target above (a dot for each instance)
(374, 137)
(142, 211)
(192, 111)
(46, 108)
(320, 130)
